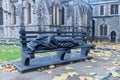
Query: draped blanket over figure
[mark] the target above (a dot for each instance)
(47, 42)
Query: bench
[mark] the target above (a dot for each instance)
(27, 36)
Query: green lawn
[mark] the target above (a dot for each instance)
(8, 53)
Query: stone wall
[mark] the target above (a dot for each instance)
(41, 14)
(113, 21)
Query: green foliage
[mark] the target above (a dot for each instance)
(8, 53)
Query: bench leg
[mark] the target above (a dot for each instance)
(26, 59)
(84, 51)
(61, 54)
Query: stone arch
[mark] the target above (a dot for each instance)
(32, 2)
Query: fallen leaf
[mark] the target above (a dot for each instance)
(92, 52)
(92, 73)
(88, 66)
(15, 71)
(117, 64)
(51, 67)
(114, 74)
(71, 74)
(105, 58)
(39, 70)
(7, 70)
(92, 60)
(68, 68)
(57, 78)
(86, 60)
(85, 78)
(1, 68)
(64, 76)
(109, 68)
(100, 77)
(71, 62)
(49, 71)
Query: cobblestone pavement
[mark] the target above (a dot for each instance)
(105, 65)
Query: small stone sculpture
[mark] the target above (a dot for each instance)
(47, 42)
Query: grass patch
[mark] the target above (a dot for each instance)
(8, 53)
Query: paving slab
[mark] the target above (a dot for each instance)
(103, 62)
(79, 67)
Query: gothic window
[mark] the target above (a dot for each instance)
(84, 16)
(102, 10)
(13, 15)
(114, 9)
(28, 13)
(63, 15)
(1, 16)
(55, 14)
(103, 29)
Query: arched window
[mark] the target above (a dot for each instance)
(1, 16)
(13, 15)
(84, 16)
(63, 15)
(55, 14)
(28, 13)
(103, 29)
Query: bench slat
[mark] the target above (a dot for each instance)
(35, 36)
(24, 41)
(43, 32)
(28, 36)
(62, 49)
(58, 49)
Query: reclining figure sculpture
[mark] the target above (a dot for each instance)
(47, 42)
